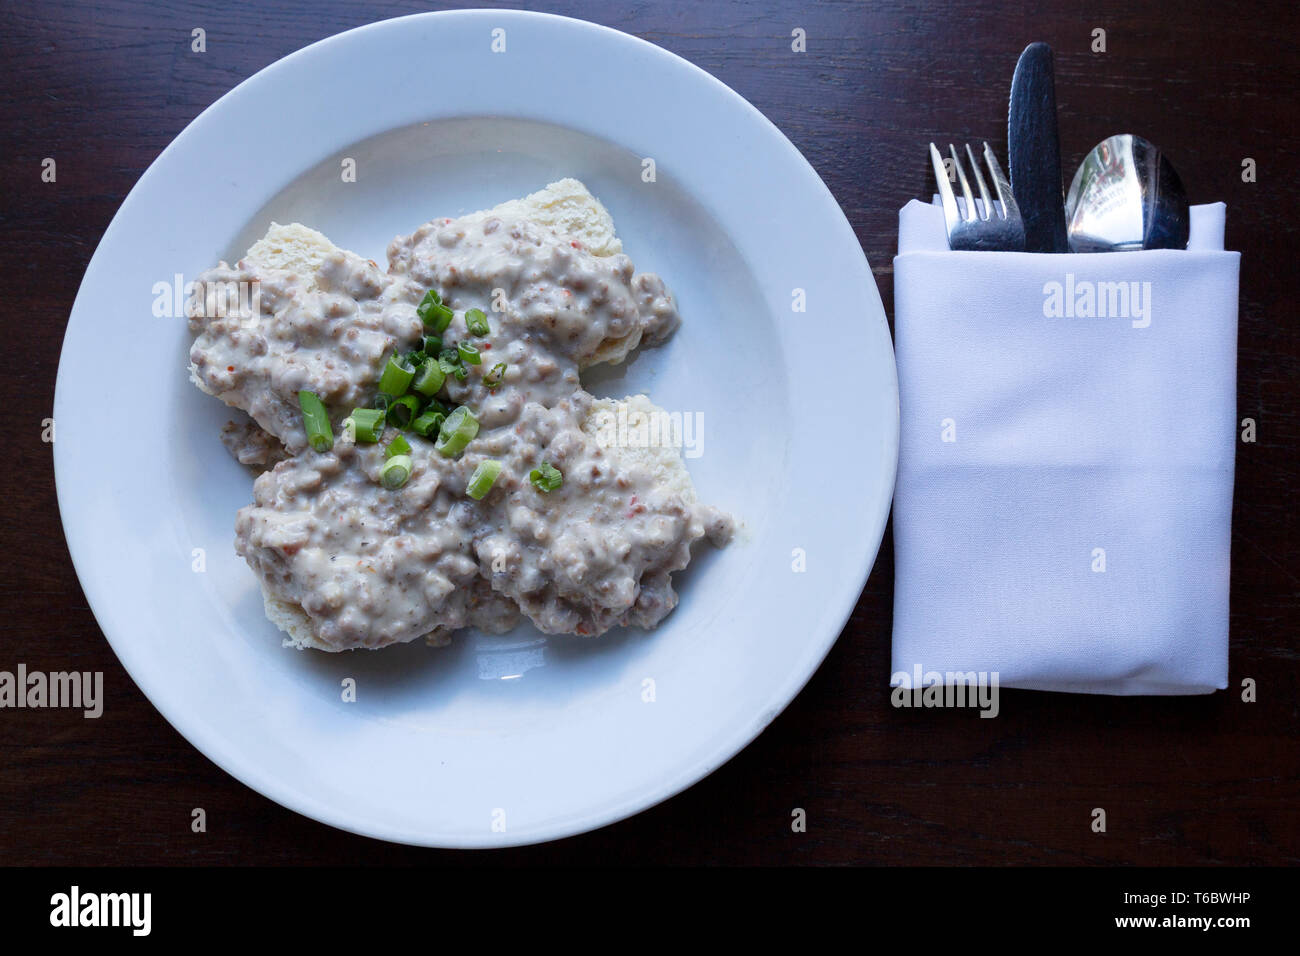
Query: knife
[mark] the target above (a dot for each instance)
(1034, 151)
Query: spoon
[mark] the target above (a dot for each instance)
(1125, 196)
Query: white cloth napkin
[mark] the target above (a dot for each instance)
(1064, 498)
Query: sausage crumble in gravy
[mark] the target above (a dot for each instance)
(346, 562)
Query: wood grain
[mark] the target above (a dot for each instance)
(104, 86)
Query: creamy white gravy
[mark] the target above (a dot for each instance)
(370, 566)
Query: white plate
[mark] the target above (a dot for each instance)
(544, 736)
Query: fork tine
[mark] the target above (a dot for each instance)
(1000, 184)
(979, 182)
(945, 190)
(965, 186)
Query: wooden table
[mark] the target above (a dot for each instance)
(105, 85)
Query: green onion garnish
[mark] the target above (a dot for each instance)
(403, 411)
(438, 318)
(546, 477)
(398, 446)
(415, 358)
(432, 345)
(395, 472)
(433, 313)
(456, 432)
(469, 353)
(494, 378)
(368, 424)
(316, 420)
(429, 378)
(449, 361)
(397, 377)
(484, 476)
(429, 422)
(477, 322)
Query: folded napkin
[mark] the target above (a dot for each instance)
(1064, 497)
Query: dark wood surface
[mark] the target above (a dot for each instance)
(105, 85)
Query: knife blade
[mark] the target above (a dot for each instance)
(1034, 151)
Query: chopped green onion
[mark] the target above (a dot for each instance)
(381, 402)
(469, 353)
(429, 378)
(546, 477)
(416, 357)
(449, 361)
(368, 423)
(456, 432)
(395, 472)
(442, 318)
(433, 313)
(494, 378)
(316, 421)
(428, 303)
(429, 422)
(403, 411)
(477, 322)
(397, 377)
(432, 345)
(398, 446)
(484, 476)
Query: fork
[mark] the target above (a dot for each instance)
(986, 227)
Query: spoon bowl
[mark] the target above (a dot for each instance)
(1126, 195)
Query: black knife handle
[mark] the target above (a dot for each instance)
(1034, 151)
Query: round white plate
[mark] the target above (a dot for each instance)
(523, 738)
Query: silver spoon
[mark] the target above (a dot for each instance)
(1126, 195)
